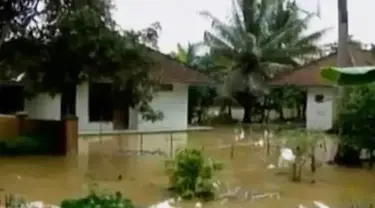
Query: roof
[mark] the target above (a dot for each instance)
(173, 71)
(309, 74)
(169, 70)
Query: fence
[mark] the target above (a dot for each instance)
(61, 135)
(138, 141)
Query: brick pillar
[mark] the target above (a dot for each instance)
(71, 135)
(21, 122)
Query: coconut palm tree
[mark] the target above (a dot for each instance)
(199, 96)
(188, 54)
(261, 38)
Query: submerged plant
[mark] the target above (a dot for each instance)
(303, 144)
(12, 201)
(191, 174)
(97, 199)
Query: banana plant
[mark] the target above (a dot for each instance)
(349, 75)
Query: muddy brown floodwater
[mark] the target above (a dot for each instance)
(142, 178)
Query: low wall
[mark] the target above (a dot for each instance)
(8, 127)
(54, 132)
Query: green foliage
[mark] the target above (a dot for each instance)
(356, 117)
(82, 44)
(25, 145)
(305, 140)
(261, 39)
(200, 97)
(191, 174)
(98, 198)
(94, 200)
(288, 96)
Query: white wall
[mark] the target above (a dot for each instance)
(82, 111)
(174, 106)
(36, 107)
(319, 116)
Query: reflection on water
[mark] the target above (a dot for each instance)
(142, 178)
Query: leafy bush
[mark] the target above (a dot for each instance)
(357, 115)
(24, 145)
(356, 123)
(191, 174)
(94, 200)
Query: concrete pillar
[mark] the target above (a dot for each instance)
(21, 122)
(71, 135)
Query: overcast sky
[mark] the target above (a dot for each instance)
(181, 22)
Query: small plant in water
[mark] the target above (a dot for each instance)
(96, 200)
(303, 144)
(12, 201)
(191, 174)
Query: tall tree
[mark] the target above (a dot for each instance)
(200, 97)
(80, 44)
(261, 38)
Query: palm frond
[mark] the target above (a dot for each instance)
(272, 31)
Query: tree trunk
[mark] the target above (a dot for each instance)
(230, 109)
(280, 111)
(304, 106)
(297, 166)
(246, 100)
(247, 114)
(313, 163)
(299, 111)
(371, 158)
(68, 100)
(223, 108)
(265, 109)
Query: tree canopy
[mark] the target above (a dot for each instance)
(260, 39)
(81, 42)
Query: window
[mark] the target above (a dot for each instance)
(319, 98)
(166, 87)
(13, 99)
(100, 102)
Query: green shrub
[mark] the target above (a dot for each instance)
(191, 174)
(94, 200)
(24, 145)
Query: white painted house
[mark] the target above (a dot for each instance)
(321, 94)
(172, 102)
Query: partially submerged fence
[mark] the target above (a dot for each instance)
(124, 137)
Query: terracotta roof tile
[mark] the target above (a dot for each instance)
(173, 71)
